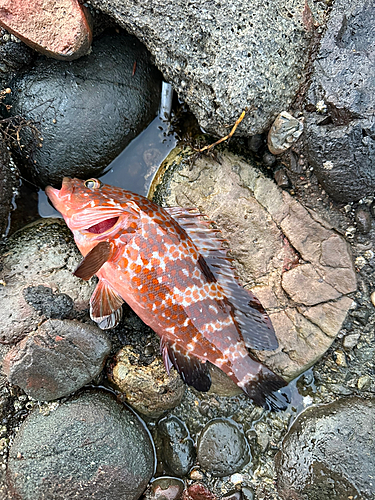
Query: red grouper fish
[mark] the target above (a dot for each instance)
(172, 269)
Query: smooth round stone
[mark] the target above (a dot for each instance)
(177, 447)
(165, 488)
(86, 110)
(329, 453)
(222, 448)
(90, 447)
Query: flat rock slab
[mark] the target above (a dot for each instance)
(90, 447)
(328, 453)
(298, 266)
(223, 58)
(56, 29)
(58, 359)
(37, 281)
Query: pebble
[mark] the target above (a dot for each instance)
(56, 29)
(165, 488)
(57, 359)
(222, 448)
(88, 447)
(363, 220)
(281, 178)
(177, 447)
(351, 341)
(149, 389)
(284, 131)
(256, 142)
(198, 491)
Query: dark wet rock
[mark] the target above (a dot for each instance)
(341, 142)
(14, 56)
(87, 110)
(89, 447)
(198, 491)
(37, 281)
(292, 259)
(281, 178)
(177, 447)
(221, 61)
(165, 488)
(8, 187)
(59, 30)
(148, 388)
(57, 359)
(328, 453)
(269, 159)
(363, 220)
(222, 448)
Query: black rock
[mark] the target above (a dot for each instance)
(14, 56)
(89, 447)
(8, 186)
(48, 303)
(86, 110)
(328, 453)
(341, 142)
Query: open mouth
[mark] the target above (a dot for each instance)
(103, 226)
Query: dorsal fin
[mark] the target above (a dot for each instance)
(93, 261)
(105, 306)
(193, 372)
(255, 325)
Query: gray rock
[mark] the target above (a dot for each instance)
(57, 360)
(284, 132)
(149, 389)
(87, 110)
(291, 259)
(222, 448)
(223, 58)
(89, 447)
(176, 446)
(341, 143)
(328, 453)
(42, 256)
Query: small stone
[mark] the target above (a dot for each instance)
(284, 131)
(268, 159)
(56, 29)
(281, 178)
(340, 358)
(222, 448)
(364, 382)
(372, 297)
(363, 220)
(351, 341)
(198, 491)
(255, 142)
(196, 475)
(165, 488)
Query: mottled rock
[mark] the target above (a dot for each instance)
(341, 143)
(165, 488)
(223, 59)
(89, 447)
(177, 447)
(294, 261)
(42, 254)
(149, 389)
(57, 29)
(222, 448)
(57, 359)
(198, 491)
(328, 453)
(107, 102)
(284, 131)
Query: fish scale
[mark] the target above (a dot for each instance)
(172, 269)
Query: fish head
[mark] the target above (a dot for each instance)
(93, 210)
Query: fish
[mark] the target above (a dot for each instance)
(172, 268)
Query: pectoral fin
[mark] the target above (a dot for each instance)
(93, 261)
(105, 306)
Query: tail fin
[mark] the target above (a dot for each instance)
(263, 390)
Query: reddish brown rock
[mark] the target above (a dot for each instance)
(59, 29)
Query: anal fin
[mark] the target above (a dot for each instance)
(193, 372)
(93, 261)
(105, 306)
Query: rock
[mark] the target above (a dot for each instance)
(363, 219)
(57, 359)
(287, 255)
(223, 59)
(89, 447)
(165, 488)
(281, 178)
(176, 446)
(60, 30)
(284, 132)
(341, 144)
(222, 448)
(107, 105)
(8, 188)
(149, 389)
(328, 453)
(198, 491)
(14, 56)
(37, 281)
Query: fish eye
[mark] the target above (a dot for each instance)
(93, 184)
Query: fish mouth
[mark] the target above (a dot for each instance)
(103, 226)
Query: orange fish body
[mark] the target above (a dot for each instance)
(172, 270)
